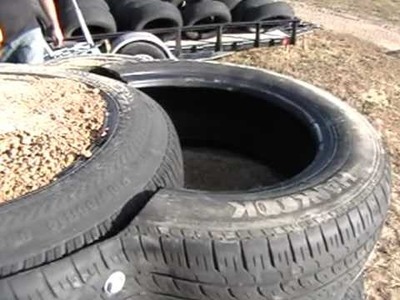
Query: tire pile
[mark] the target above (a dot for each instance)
(109, 16)
(124, 225)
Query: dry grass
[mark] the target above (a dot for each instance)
(387, 10)
(361, 74)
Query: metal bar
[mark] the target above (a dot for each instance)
(293, 34)
(258, 35)
(82, 22)
(218, 44)
(178, 43)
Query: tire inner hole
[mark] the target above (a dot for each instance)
(92, 29)
(233, 140)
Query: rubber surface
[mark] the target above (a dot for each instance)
(305, 238)
(97, 17)
(356, 291)
(246, 5)
(154, 15)
(231, 4)
(88, 62)
(270, 11)
(99, 196)
(204, 12)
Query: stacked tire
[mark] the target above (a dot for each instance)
(141, 15)
(95, 12)
(146, 15)
(304, 235)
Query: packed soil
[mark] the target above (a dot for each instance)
(361, 74)
(377, 32)
(45, 125)
(379, 11)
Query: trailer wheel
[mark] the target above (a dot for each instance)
(310, 232)
(97, 197)
(143, 51)
(204, 12)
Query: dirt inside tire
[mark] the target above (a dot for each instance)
(45, 125)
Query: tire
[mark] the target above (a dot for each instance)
(301, 236)
(139, 155)
(270, 11)
(87, 4)
(98, 20)
(89, 62)
(204, 12)
(244, 6)
(231, 4)
(356, 291)
(177, 3)
(155, 15)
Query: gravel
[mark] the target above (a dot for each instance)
(45, 125)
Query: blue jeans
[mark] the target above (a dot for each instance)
(27, 48)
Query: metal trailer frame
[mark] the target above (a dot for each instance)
(229, 38)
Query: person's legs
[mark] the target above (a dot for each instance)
(29, 48)
(32, 47)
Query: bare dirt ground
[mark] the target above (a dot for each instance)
(361, 74)
(45, 124)
(376, 30)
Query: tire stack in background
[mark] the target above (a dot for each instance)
(124, 225)
(110, 16)
(95, 12)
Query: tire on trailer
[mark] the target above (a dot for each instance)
(204, 12)
(142, 15)
(231, 4)
(244, 6)
(177, 3)
(156, 15)
(97, 18)
(274, 11)
(312, 231)
(97, 197)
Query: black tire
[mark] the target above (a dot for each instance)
(300, 237)
(177, 3)
(244, 6)
(231, 4)
(269, 12)
(356, 290)
(204, 12)
(139, 155)
(94, 4)
(155, 15)
(98, 20)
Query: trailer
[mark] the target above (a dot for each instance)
(228, 38)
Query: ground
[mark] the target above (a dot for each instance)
(363, 75)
